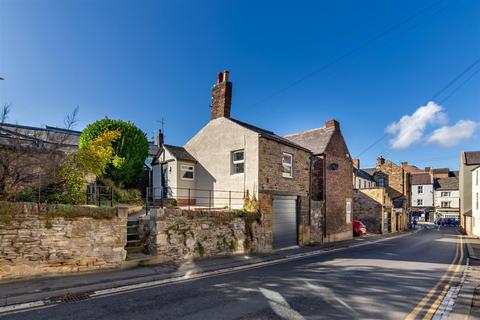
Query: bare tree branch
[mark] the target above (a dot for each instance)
(71, 119)
(4, 113)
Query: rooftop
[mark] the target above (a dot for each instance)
(421, 178)
(315, 139)
(472, 157)
(270, 135)
(450, 183)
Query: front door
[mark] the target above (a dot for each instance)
(284, 221)
(164, 175)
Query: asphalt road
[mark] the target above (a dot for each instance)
(386, 280)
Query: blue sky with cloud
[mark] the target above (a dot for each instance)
(372, 65)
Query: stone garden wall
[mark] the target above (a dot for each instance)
(51, 239)
(176, 234)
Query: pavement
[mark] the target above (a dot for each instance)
(395, 277)
(468, 303)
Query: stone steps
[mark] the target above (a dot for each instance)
(134, 246)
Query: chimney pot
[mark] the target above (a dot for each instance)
(219, 77)
(225, 75)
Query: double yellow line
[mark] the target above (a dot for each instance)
(449, 275)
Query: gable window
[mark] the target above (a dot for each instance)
(420, 189)
(445, 194)
(238, 161)
(187, 172)
(419, 202)
(287, 162)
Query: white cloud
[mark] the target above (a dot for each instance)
(449, 136)
(410, 128)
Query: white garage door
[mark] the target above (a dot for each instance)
(284, 224)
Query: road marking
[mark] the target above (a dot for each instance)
(453, 265)
(436, 303)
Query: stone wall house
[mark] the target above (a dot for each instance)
(396, 181)
(375, 208)
(331, 178)
(230, 158)
(468, 161)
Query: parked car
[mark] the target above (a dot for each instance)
(358, 228)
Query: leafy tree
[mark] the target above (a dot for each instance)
(130, 150)
(89, 161)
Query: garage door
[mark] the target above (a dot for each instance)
(284, 224)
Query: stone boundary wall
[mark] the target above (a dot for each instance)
(42, 240)
(176, 234)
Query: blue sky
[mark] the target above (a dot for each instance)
(146, 60)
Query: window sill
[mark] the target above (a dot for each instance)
(287, 177)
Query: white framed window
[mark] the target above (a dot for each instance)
(446, 204)
(287, 165)
(420, 189)
(238, 162)
(445, 194)
(419, 202)
(187, 172)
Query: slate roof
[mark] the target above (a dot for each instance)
(315, 139)
(179, 153)
(370, 171)
(472, 157)
(421, 178)
(441, 170)
(362, 174)
(269, 135)
(43, 135)
(450, 183)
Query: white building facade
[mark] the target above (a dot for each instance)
(476, 202)
(422, 195)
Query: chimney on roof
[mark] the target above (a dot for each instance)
(159, 138)
(222, 96)
(332, 124)
(380, 161)
(356, 163)
(428, 169)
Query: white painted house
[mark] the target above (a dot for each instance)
(447, 198)
(422, 195)
(361, 178)
(476, 202)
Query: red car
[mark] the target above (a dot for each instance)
(358, 228)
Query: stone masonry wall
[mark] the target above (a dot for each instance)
(339, 189)
(177, 234)
(370, 206)
(271, 182)
(40, 240)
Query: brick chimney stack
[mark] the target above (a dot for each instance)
(332, 124)
(159, 138)
(222, 96)
(356, 163)
(380, 161)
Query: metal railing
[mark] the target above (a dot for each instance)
(93, 195)
(192, 197)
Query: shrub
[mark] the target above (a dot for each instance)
(130, 150)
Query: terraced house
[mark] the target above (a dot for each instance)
(228, 158)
